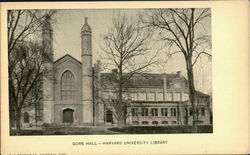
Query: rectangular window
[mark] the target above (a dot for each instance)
(185, 97)
(173, 112)
(154, 112)
(164, 112)
(134, 111)
(169, 97)
(202, 111)
(190, 112)
(159, 96)
(113, 95)
(151, 96)
(134, 96)
(144, 112)
(142, 96)
(177, 85)
(125, 96)
(177, 96)
(105, 95)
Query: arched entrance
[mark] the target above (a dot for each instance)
(68, 116)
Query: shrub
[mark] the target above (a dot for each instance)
(46, 125)
(59, 133)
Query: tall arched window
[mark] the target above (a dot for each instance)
(67, 86)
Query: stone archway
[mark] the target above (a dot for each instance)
(68, 116)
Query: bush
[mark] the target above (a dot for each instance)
(27, 132)
(161, 129)
(59, 133)
(47, 125)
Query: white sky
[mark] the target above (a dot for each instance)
(67, 40)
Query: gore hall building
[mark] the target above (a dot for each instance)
(76, 92)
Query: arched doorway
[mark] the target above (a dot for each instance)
(68, 116)
(109, 116)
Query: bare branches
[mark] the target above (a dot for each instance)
(179, 27)
(126, 47)
(195, 60)
(23, 24)
(25, 56)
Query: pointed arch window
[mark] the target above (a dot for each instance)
(67, 86)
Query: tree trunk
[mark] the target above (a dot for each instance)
(36, 111)
(192, 93)
(18, 121)
(121, 118)
(120, 123)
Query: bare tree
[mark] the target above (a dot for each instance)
(126, 50)
(25, 56)
(184, 31)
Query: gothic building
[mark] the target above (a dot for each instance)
(78, 93)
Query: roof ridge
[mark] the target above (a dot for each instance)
(69, 56)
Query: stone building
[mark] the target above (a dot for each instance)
(77, 93)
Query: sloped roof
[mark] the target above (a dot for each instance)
(67, 55)
(152, 80)
(200, 94)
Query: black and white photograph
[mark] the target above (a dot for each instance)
(109, 71)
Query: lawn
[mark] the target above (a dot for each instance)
(161, 129)
(65, 131)
(112, 130)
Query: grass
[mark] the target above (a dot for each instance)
(161, 129)
(113, 130)
(64, 131)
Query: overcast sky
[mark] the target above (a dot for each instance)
(67, 40)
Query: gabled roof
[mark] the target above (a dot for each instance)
(67, 55)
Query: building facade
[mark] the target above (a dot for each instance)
(78, 93)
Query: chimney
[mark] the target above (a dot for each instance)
(179, 73)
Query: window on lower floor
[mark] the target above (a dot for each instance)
(164, 112)
(202, 111)
(186, 112)
(26, 118)
(155, 122)
(200, 121)
(134, 111)
(173, 122)
(144, 112)
(135, 122)
(154, 112)
(109, 116)
(190, 112)
(173, 112)
(145, 122)
(164, 122)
